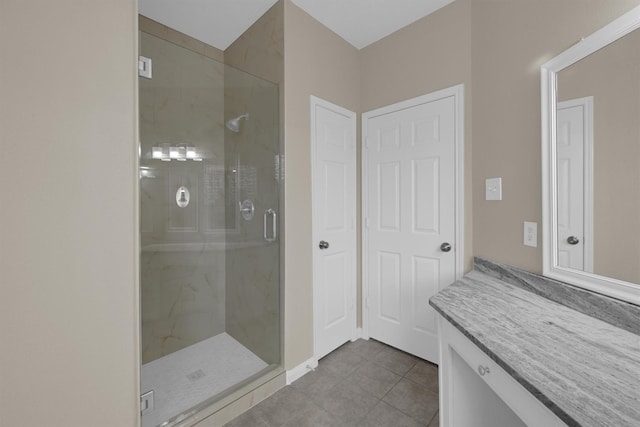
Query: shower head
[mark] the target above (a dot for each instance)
(234, 124)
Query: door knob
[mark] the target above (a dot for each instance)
(323, 244)
(445, 247)
(573, 240)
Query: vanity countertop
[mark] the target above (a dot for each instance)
(585, 370)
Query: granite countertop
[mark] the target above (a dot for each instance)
(585, 370)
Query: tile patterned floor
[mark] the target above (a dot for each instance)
(362, 383)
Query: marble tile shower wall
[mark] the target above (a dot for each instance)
(253, 277)
(206, 270)
(252, 263)
(183, 249)
(183, 294)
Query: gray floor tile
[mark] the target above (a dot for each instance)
(394, 360)
(424, 374)
(344, 391)
(254, 417)
(341, 362)
(385, 415)
(284, 406)
(347, 401)
(365, 348)
(413, 400)
(435, 421)
(374, 379)
(314, 416)
(316, 383)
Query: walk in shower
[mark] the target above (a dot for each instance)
(209, 205)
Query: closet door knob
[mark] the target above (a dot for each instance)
(445, 247)
(323, 244)
(573, 240)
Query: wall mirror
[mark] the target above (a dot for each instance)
(591, 161)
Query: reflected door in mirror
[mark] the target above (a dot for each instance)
(575, 175)
(610, 78)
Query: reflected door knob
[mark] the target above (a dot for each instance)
(323, 244)
(573, 240)
(445, 247)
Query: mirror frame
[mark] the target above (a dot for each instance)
(615, 288)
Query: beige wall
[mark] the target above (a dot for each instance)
(69, 298)
(68, 226)
(510, 41)
(319, 63)
(431, 54)
(610, 76)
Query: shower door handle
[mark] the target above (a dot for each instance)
(274, 229)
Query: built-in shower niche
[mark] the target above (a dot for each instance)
(210, 279)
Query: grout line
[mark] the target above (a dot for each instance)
(400, 410)
(391, 388)
(408, 415)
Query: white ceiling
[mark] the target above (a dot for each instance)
(220, 22)
(362, 22)
(215, 22)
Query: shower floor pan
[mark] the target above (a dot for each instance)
(183, 379)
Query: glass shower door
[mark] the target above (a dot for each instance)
(210, 279)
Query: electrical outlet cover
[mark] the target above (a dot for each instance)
(531, 234)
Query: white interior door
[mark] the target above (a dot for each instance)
(575, 235)
(334, 210)
(412, 160)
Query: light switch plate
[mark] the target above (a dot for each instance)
(531, 234)
(146, 402)
(144, 67)
(493, 189)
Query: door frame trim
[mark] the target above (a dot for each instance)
(457, 92)
(319, 102)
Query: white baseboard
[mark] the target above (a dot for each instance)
(302, 369)
(357, 335)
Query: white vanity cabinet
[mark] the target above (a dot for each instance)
(476, 392)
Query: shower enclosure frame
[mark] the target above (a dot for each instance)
(239, 397)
